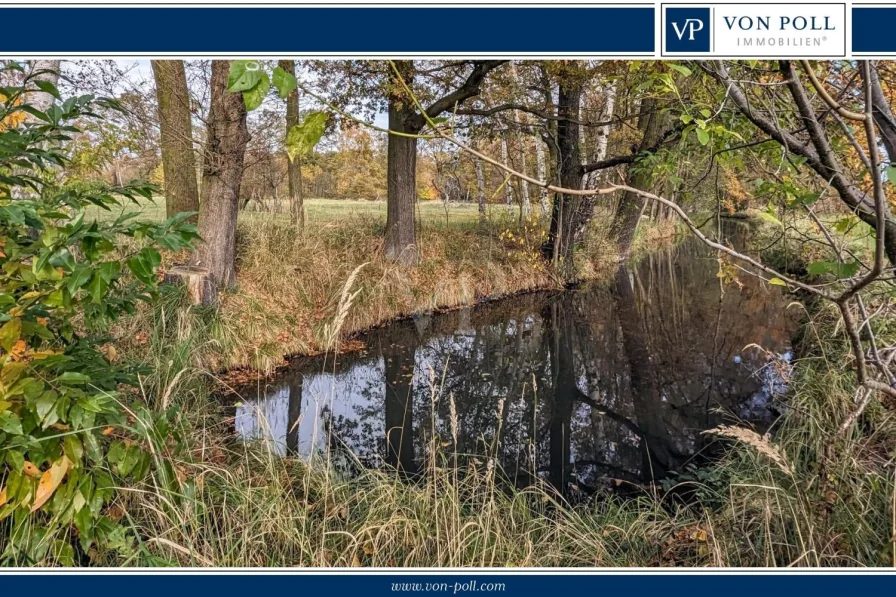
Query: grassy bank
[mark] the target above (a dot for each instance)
(289, 283)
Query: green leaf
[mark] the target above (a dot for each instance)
(770, 218)
(10, 423)
(79, 278)
(302, 137)
(73, 377)
(10, 333)
(144, 264)
(285, 82)
(841, 270)
(253, 97)
(680, 69)
(702, 136)
(47, 87)
(706, 113)
(777, 282)
(244, 75)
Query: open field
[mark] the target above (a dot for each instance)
(328, 210)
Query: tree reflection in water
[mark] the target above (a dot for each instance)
(602, 383)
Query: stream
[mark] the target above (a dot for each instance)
(607, 383)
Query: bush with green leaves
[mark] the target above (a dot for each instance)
(68, 436)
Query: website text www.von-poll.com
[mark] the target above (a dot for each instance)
(470, 586)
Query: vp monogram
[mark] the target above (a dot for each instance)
(691, 26)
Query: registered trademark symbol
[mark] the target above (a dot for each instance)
(824, 38)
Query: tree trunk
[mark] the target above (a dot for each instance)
(625, 223)
(294, 167)
(542, 173)
(222, 174)
(508, 188)
(175, 123)
(480, 186)
(595, 179)
(401, 233)
(47, 71)
(564, 222)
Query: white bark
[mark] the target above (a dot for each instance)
(480, 184)
(508, 188)
(603, 134)
(47, 70)
(524, 186)
(541, 169)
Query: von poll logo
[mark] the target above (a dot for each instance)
(767, 30)
(688, 30)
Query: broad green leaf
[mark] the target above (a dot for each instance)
(302, 138)
(702, 136)
(244, 75)
(10, 423)
(284, 82)
(255, 96)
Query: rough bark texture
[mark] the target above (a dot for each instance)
(401, 234)
(631, 205)
(178, 159)
(222, 174)
(294, 167)
(564, 219)
(401, 231)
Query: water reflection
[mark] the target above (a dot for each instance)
(613, 382)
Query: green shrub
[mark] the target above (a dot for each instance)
(67, 438)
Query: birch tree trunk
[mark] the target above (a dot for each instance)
(508, 188)
(42, 70)
(175, 124)
(594, 179)
(480, 185)
(542, 173)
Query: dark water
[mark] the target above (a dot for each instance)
(610, 382)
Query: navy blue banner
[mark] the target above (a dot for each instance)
(874, 30)
(354, 582)
(419, 30)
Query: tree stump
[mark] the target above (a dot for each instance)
(201, 288)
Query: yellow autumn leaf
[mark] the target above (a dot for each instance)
(3, 498)
(49, 482)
